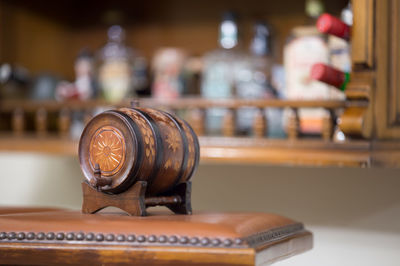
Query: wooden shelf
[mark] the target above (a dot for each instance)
(181, 103)
(47, 145)
(294, 150)
(230, 150)
(285, 152)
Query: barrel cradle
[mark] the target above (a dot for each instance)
(133, 158)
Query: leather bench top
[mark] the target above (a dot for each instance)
(64, 237)
(220, 226)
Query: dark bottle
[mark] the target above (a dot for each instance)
(14, 81)
(329, 24)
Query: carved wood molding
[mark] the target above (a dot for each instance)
(363, 33)
(387, 93)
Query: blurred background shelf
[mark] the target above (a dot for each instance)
(227, 150)
(47, 36)
(240, 151)
(229, 147)
(62, 28)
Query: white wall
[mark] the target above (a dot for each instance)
(353, 213)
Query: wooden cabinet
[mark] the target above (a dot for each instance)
(376, 59)
(387, 93)
(48, 35)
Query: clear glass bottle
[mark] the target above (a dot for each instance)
(219, 69)
(253, 76)
(84, 71)
(115, 68)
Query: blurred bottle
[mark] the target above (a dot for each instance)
(330, 75)
(305, 47)
(347, 14)
(331, 25)
(115, 67)
(167, 66)
(44, 86)
(339, 34)
(140, 76)
(14, 81)
(84, 86)
(253, 78)
(339, 37)
(192, 75)
(254, 71)
(219, 71)
(84, 75)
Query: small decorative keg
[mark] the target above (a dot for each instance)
(138, 144)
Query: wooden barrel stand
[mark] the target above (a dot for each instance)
(134, 202)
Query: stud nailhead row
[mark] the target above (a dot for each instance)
(120, 238)
(162, 239)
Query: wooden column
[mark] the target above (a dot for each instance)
(293, 125)
(64, 122)
(41, 122)
(327, 127)
(228, 124)
(18, 122)
(197, 121)
(260, 124)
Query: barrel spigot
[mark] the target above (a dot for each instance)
(99, 181)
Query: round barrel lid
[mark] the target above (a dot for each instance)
(110, 141)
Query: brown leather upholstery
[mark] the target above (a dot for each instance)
(29, 229)
(222, 225)
(12, 210)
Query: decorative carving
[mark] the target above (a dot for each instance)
(146, 131)
(173, 140)
(107, 148)
(191, 157)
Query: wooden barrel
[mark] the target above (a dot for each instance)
(131, 144)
